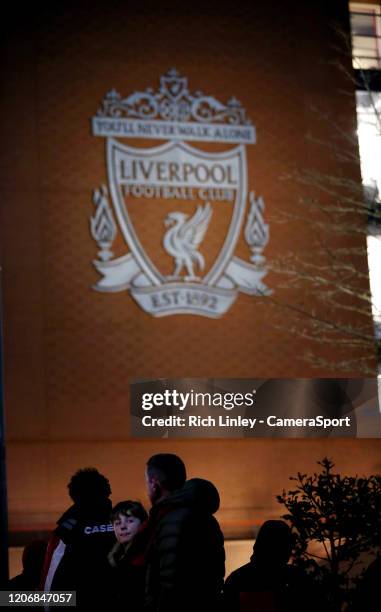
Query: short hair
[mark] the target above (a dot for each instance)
(169, 469)
(129, 508)
(87, 485)
(275, 540)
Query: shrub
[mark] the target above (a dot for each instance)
(335, 520)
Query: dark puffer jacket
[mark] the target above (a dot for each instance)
(186, 556)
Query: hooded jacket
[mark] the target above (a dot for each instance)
(186, 556)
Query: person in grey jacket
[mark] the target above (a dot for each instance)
(185, 555)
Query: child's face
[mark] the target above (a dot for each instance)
(126, 527)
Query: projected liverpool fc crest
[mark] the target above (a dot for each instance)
(178, 211)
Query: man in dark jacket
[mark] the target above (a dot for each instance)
(76, 558)
(186, 557)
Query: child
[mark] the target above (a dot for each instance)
(129, 520)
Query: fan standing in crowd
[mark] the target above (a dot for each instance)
(127, 557)
(76, 558)
(268, 582)
(185, 553)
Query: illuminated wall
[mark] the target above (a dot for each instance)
(71, 351)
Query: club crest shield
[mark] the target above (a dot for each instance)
(180, 209)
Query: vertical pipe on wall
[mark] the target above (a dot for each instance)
(4, 564)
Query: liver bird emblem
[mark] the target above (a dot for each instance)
(184, 237)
